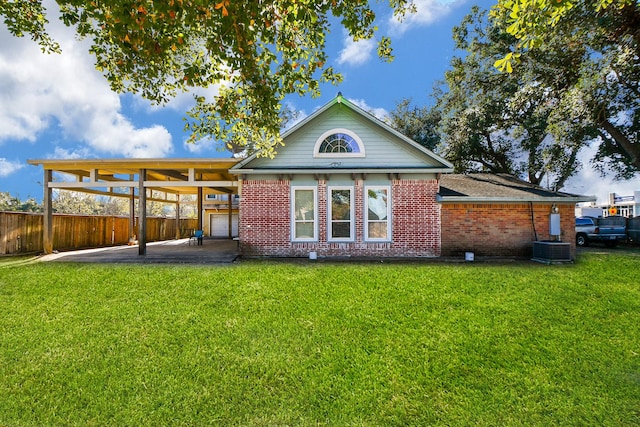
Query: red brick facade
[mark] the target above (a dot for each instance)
(500, 229)
(265, 222)
(416, 218)
(264, 217)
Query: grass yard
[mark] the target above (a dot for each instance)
(270, 343)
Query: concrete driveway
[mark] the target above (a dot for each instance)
(212, 251)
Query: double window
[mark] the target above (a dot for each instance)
(341, 214)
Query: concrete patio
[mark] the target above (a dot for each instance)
(212, 251)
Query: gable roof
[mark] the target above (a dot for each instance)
(486, 187)
(421, 159)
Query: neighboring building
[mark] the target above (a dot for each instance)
(217, 218)
(626, 206)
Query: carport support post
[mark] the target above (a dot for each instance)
(200, 208)
(47, 219)
(230, 215)
(132, 209)
(178, 216)
(142, 223)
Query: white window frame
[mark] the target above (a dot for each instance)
(356, 138)
(211, 197)
(294, 221)
(352, 212)
(366, 213)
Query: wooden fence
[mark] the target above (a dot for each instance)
(21, 232)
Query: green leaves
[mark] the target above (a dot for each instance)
(28, 16)
(259, 51)
(505, 64)
(596, 81)
(531, 21)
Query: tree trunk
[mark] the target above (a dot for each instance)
(633, 150)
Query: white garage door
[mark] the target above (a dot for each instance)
(220, 225)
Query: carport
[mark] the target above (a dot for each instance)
(135, 179)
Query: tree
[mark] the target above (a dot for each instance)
(255, 51)
(11, 203)
(74, 202)
(606, 94)
(114, 206)
(418, 123)
(530, 21)
(31, 205)
(8, 202)
(500, 122)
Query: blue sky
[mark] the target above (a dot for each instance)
(58, 106)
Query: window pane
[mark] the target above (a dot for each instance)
(340, 204)
(377, 230)
(339, 143)
(340, 224)
(340, 230)
(304, 205)
(304, 230)
(377, 204)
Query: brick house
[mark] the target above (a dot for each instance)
(345, 184)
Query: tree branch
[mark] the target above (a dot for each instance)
(633, 150)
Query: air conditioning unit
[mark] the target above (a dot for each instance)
(548, 251)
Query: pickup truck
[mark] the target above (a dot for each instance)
(609, 231)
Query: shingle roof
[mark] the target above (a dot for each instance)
(486, 187)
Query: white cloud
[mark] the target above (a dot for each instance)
(296, 116)
(38, 91)
(427, 12)
(301, 115)
(356, 53)
(183, 101)
(7, 167)
(202, 145)
(78, 153)
(589, 181)
(379, 113)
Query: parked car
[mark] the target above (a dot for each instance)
(609, 231)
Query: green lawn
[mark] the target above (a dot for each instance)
(273, 343)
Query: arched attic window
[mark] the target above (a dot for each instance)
(339, 143)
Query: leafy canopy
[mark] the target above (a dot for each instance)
(532, 21)
(255, 52)
(601, 90)
(502, 122)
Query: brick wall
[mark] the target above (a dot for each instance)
(500, 229)
(416, 218)
(264, 217)
(265, 222)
